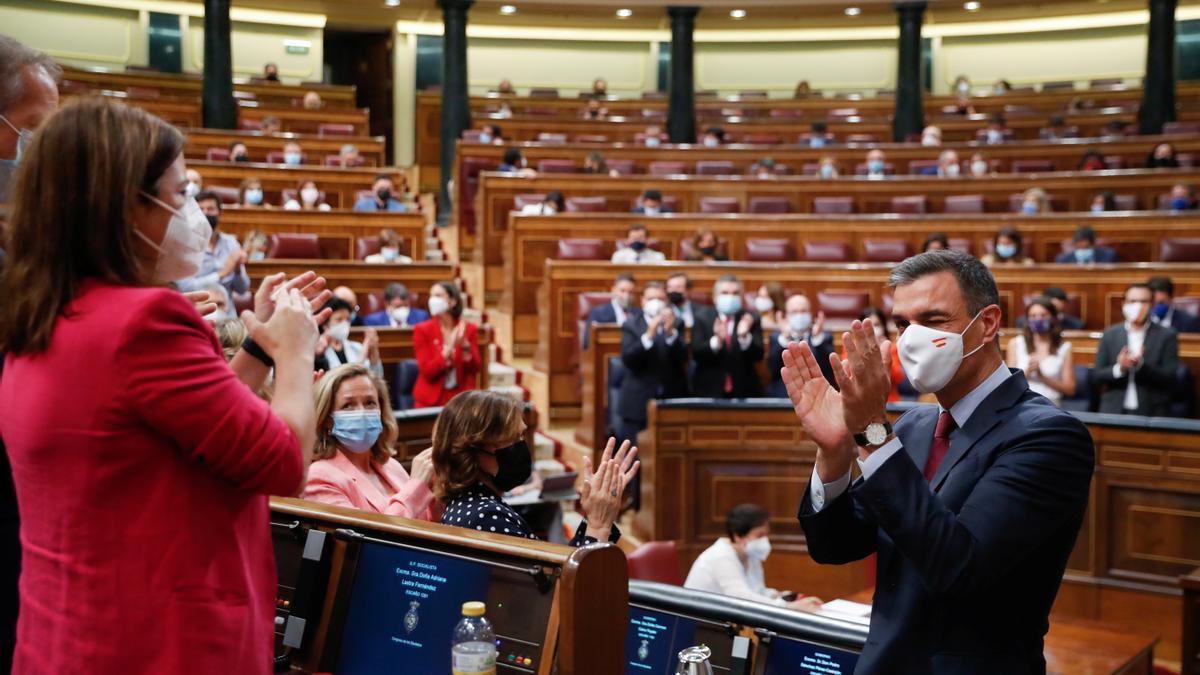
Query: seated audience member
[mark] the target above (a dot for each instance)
(726, 345)
(346, 293)
(705, 248)
(293, 154)
(615, 310)
(997, 129)
(480, 453)
(506, 87)
(733, 565)
(218, 296)
(224, 260)
(513, 161)
(270, 125)
(1058, 298)
(947, 167)
(962, 86)
(238, 152)
(678, 287)
(963, 105)
(1162, 157)
(652, 136)
(980, 167)
(769, 303)
(255, 245)
(803, 89)
(1006, 249)
(827, 169)
(600, 87)
(1183, 197)
(1056, 129)
(446, 348)
(880, 324)
(1092, 160)
(798, 325)
(713, 137)
(271, 72)
(349, 156)
(339, 349)
(876, 164)
(1164, 313)
(1085, 251)
(382, 198)
(354, 461)
(593, 110)
(1113, 130)
(231, 333)
(399, 312)
(1103, 201)
(309, 198)
(936, 241)
(1035, 201)
(651, 204)
(637, 247)
(1042, 353)
(504, 112)
(931, 135)
(195, 183)
(654, 353)
(594, 164)
(389, 250)
(491, 134)
(1136, 360)
(819, 136)
(312, 101)
(1001, 87)
(250, 194)
(763, 168)
(552, 204)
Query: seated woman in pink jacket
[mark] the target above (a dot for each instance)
(353, 462)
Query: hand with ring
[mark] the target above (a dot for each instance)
(603, 487)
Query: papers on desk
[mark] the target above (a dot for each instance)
(855, 612)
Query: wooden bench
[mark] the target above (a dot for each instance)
(514, 272)
(701, 458)
(484, 225)
(338, 230)
(362, 278)
(190, 86)
(258, 145)
(1100, 289)
(340, 185)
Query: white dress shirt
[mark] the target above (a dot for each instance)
(1136, 343)
(822, 493)
(628, 255)
(743, 341)
(685, 312)
(620, 311)
(648, 342)
(719, 570)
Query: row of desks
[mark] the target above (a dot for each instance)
(337, 230)
(189, 86)
(341, 185)
(259, 145)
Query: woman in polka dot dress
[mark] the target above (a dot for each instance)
(479, 453)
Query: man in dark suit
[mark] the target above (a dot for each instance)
(399, 312)
(615, 310)
(654, 353)
(1084, 250)
(798, 326)
(726, 345)
(972, 506)
(1136, 360)
(1164, 313)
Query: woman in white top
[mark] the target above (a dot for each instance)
(733, 565)
(1042, 353)
(335, 348)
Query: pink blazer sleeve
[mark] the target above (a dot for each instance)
(413, 499)
(323, 485)
(176, 380)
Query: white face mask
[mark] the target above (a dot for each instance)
(930, 139)
(800, 323)
(438, 306)
(650, 210)
(340, 331)
(995, 136)
(931, 357)
(653, 142)
(653, 307)
(758, 549)
(254, 196)
(182, 249)
(763, 305)
(310, 195)
(389, 253)
(192, 189)
(400, 314)
(710, 142)
(979, 168)
(1133, 311)
(951, 170)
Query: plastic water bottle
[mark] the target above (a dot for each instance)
(474, 647)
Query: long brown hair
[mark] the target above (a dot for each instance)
(470, 423)
(325, 395)
(1056, 336)
(72, 212)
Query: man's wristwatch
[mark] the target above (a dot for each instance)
(875, 435)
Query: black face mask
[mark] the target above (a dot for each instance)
(675, 298)
(638, 246)
(272, 77)
(516, 465)
(241, 158)
(384, 195)
(212, 220)
(708, 250)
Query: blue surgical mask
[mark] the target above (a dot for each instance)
(1029, 208)
(1006, 250)
(485, 138)
(1084, 255)
(1097, 208)
(1177, 204)
(828, 171)
(729, 304)
(254, 196)
(292, 158)
(875, 165)
(1040, 325)
(357, 430)
(1160, 310)
(816, 142)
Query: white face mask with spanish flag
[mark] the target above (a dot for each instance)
(931, 357)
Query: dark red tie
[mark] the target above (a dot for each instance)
(728, 340)
(940, 445)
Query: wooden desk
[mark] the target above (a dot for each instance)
(1138, 536)
(258, 145)
(190, 85)
(341, 185)
(1100, 287)
(512, 273)
(341, 228)
(1190, 651)
(485, 225)
(362, 278)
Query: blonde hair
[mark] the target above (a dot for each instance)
(230, 333)
(325, 392)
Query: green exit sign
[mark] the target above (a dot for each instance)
(296, 46)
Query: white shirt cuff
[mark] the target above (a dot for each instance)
(784, 340)
(1117, 372)
(647, 342)
(672, 337)
(816, 339)
(821, 493)
(876, 459)
(714, 343)
(744, 341)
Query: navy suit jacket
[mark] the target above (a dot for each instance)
(775, 363)
(1184, 322)
(650, 373)
(380, 318)
(1103, 254)
(969, 565)
(605, 313)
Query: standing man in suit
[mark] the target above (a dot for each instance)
(726, 344)
(1137, 360)
(1164, 313)
(399, 312)
(615, 310)
(798, 326)
(678, 287)
(973, 505)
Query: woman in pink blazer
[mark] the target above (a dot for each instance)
(142, 461)
(353, 464)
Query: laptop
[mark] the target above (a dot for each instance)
(556, 488)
